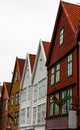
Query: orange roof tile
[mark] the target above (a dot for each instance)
(73, 13)
(32, 60)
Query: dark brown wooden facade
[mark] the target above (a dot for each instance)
(4, 105)
(63, 63)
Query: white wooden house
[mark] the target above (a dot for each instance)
(25, 93)
(39, 87)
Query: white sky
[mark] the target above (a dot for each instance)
(22, 24)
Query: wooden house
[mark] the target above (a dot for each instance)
(26, 93)
(4, 105)
(13, 118)
(39, 87)
(63, 65)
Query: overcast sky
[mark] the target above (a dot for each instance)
(22, 24)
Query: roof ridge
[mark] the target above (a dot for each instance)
(75, 4)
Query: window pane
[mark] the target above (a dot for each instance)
(52, 76)
(51, 106)
(58, 72)
(61, 36)
(69, 65)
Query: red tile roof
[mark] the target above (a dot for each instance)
(21, 65)
(46, 46)
(73, 13)
(32, 60)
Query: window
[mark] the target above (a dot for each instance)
(69, 65)
(52, 76)
(67, 100)
(57, 72)
(62, 102)
(17, 98)
(22, 116)
(51, 106)
(54, 107)
(12, 100)
(41, 114)
(34, 115)
(61, 36)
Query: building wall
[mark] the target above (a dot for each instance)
(15, 88)
(40, 76)
(59, 54)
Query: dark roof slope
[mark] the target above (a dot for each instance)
(46, 46)
(21, 65)
(32, 60)
(73, 13)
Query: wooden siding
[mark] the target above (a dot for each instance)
(69, 40)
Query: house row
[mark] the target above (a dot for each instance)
(44, 93)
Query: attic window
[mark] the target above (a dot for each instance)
(61, 36)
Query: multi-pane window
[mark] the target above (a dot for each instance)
(61, 36)
(42, 88)
(41, 113)
(57, 72)
(12, 100)
(17, 98)
(67, 100)
(52, 76)
(61, 103)
(34, 115)
(54, 107)
(35, 93)
(69, 65)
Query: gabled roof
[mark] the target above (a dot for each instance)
(46, 46)
(72, 13)
(8, 86)
(21, 65)
(32, 60)
(6, 90)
